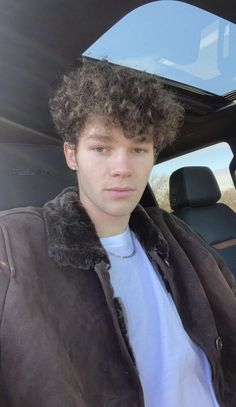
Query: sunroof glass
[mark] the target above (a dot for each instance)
(174, 40)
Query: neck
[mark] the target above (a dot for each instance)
(106, 225)
(110, 229)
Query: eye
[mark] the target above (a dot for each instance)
(98, 149)
(139, 150)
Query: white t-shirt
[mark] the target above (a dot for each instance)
(174, 372)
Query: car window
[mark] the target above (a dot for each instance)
(174, 40)
(216, 157)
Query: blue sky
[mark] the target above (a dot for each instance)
(216, 157)
(176, 40)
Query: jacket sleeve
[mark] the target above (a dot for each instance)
(228, 275)
(5, 269)
(5, 277)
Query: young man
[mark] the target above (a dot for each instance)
(103, 303)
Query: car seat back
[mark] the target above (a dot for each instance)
(32, 174)
(194, 195)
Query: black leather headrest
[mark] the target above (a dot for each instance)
(193, 186)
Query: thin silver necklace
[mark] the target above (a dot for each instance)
(129, 255)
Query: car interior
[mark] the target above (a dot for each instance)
(39, 41)
(194, 196)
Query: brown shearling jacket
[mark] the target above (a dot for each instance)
(63, 340)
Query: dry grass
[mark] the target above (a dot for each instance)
(160, 187)
(229, 198)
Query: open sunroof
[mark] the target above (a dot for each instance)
(174, 40)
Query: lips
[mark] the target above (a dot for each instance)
(120, 189)
(120, 192)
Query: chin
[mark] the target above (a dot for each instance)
(125, 211)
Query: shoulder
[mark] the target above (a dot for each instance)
(21, 216)
(164, 219)
(195, 247)
(19, 226)
(15, 225)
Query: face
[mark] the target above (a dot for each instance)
(112, 171)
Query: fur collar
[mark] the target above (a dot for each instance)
(72, 238)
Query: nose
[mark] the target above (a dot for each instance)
(120, 166)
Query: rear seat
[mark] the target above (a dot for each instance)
(32, 174)
(194, 195)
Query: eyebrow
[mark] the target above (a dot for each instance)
(107, 138)
(101, 137)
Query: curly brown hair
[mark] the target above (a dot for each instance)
(135, 101)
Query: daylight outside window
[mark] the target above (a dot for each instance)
(216, 157)
(176, 41)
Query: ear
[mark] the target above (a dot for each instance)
(70, 156)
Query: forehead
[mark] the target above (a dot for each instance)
(102, 129)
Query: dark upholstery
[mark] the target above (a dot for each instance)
(193, 186)
(32, 174)
(194, 193)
